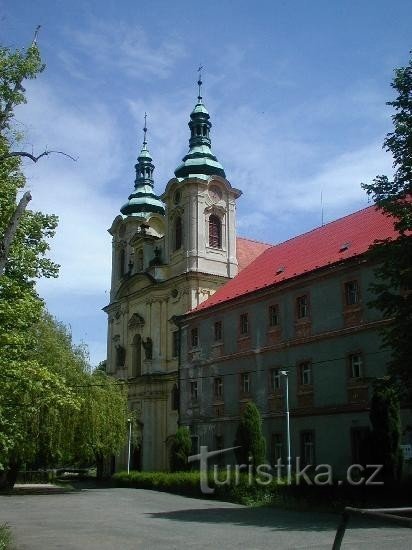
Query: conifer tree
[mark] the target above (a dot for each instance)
(249, 437)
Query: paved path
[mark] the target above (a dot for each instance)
(124, 519)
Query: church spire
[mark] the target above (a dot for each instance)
(200, 160)
(143, 200)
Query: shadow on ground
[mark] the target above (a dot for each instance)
(273, 518)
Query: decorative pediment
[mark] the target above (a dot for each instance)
(136, 321)
(215, 209)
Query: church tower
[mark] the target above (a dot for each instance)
(201, 207)
(169, 254)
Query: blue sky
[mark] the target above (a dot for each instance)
(296, 91)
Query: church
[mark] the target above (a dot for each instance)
(201, 321)
(169, 254)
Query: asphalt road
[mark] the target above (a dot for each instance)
(125, 519)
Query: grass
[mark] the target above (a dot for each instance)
(5, 538)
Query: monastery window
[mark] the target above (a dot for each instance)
(122, 262)
(175, 343)
(275, 379)
(355, 365)
(175, 398)
(307, 448)
(245, 382)
(273, 315)
(218, 332)
(305, 373)
(244, 324)
(218, 387)
(351, 293)
(198, 131)
(215, 231)
(276, 448)
(140, 260)
(302, 306)
(194, 390)
(137, 356)
(194, 337)
(219, 442)
(178, 233)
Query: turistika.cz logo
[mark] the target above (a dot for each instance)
(264, 474)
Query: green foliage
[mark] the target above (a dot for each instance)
(393, 296)
(5, 538)
(52, 409)
(102, 427)
(16, 66)
(180, 450)
(249, 437)
(386, 429)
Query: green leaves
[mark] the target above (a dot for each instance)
(249, 437)
(180, 450)
(393, 286)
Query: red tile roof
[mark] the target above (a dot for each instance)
(334, 242)
(248, 250)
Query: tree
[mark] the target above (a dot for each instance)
(386, 429)
(15, 67)
(101, 428)
(249, 437)
(180, 450)
(393, 286)
(52, 409)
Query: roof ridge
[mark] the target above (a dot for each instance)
(254, 241)
(325, 225)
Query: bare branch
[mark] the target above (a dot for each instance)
(32, 157)
(11, 230)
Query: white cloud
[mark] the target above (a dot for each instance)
(118, 47)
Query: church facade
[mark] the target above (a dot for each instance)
(169, 254)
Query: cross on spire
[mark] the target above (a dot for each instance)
(199, 82)
(145, 130)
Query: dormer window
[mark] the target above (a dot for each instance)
(178, 233)
(215, 232)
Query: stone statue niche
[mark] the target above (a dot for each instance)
(120, 355)
(148, 348)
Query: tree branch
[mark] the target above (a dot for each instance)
(11, 230)
(32, 157)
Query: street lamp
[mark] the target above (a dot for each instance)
(289, 465)
(129, 421)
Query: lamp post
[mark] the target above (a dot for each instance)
(129, 421)
(289, 465)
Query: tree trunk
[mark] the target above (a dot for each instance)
(11, 230)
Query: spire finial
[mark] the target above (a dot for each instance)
(199, 82)
(145, 130)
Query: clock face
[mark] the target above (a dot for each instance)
(215, 193)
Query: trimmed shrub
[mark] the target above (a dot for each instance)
(249, 437)
(180, 450)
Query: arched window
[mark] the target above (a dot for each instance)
(215, 231)
(137, 356)
(140, 260)
(178, 233)
(122, 262)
